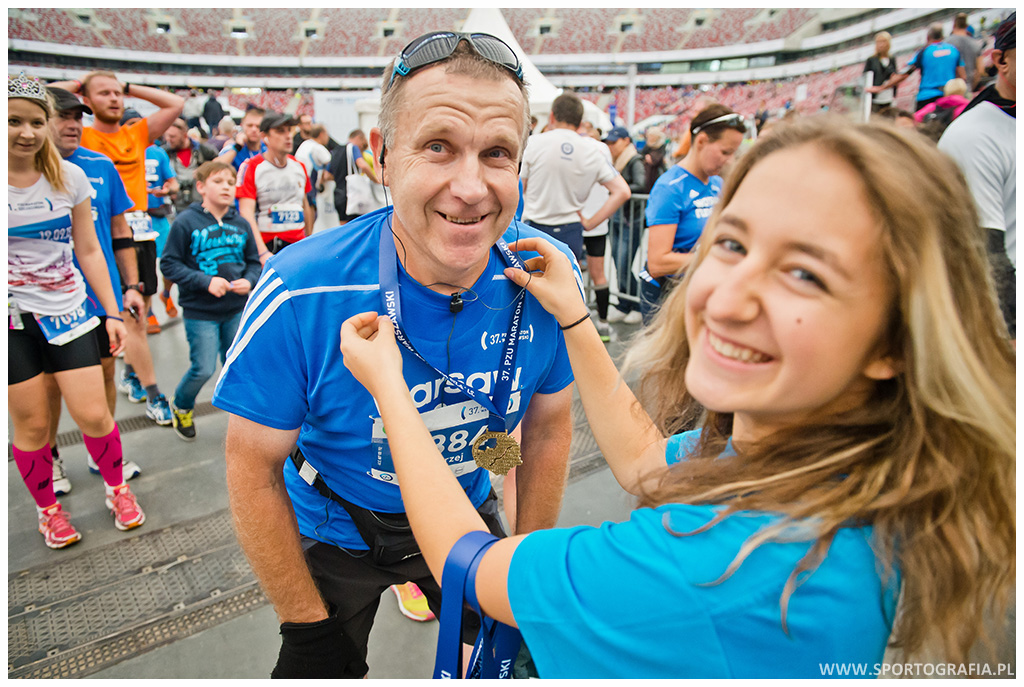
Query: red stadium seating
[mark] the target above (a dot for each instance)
(348, 32)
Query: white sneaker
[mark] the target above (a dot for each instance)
(616, 315)
(129, 470)
(634, 317)
(61, 483)
(604, 330)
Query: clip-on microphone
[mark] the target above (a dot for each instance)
(455, 306)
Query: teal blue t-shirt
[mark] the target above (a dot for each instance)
(633, 600)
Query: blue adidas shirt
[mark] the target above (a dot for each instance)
(158, 171)
(682, 199)
(632, 600)
(285, 370)
(109, 198)
(938, 63)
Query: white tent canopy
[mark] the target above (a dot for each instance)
(542, 92)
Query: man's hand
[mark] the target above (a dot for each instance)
(240, 139)
(133, 299)
(370, 352)
(240, 286)
(219, 286)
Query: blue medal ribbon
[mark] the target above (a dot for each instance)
(496, 405)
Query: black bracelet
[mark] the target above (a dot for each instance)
(579, 321)
(121, 243)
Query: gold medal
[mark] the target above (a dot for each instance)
(497, 452)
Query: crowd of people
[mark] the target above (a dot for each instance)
(822, 441)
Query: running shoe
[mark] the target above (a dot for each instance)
(604, 330)
(61, 483)
(184, 427)
(152, 326)
(55, 527)
(635, 317)
(129, 470)
(130, 385)
(159, 411)
(411, 602)
(616, 315)
(165, 298)
(121, 502)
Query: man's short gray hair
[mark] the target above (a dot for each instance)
(463, 61)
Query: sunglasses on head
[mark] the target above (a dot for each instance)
(440, 45)
(724, 119)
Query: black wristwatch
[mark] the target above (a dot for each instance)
(132, 287)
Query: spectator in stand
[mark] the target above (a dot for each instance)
(345, 160)
(655, 151)
(315, 157)
(248, 142)
(970, 50)
(51, 320)
(126, 147)
(272, 196)
(109, 203)
(938, 62)
(627, 224)
(213, 112)
(211, 255)
(983, 142)
(882, 66)
(225, 132)
(682, 200)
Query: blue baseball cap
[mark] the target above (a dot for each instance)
(616, 134)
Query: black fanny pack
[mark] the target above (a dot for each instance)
(388, 535)
(160, 210)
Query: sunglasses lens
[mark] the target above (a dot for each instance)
(430, 49)
(495, 50)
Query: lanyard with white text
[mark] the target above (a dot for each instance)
(506, 372)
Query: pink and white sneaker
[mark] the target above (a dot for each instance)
(55, 527)
(127, 514)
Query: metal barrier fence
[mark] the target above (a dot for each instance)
(624, 252)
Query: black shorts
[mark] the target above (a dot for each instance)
(146, 253)
(30, 354)
(102, 338)
(595, 245)
(353, 584)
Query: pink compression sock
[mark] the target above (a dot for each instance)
(36, 468)
(106, 451)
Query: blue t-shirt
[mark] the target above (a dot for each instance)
(682, 199)
(109, 198)
(285, 369)
(938, 63)
(158, 171)
(244, 154)
(632, 600)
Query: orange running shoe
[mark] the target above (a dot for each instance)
(55, 527)
(127, 514)
(411, 602)
(165, 298)
(153, 326)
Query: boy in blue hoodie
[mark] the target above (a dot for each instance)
(211, 255)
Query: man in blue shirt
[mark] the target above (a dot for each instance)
(482, 355)
(248, 142)
(938, 62)
(109, 203)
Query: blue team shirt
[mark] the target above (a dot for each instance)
(158, 171)
(682, 199)
(632, 600)
(285, 369)
(242, 155)
(109, 198)
(938, 63)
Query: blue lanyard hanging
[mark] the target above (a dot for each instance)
(497, 405)
(497, 645)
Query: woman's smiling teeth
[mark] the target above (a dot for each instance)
(734, 352)
(462, 220)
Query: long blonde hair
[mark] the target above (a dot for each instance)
(48, 159)
(929, 460)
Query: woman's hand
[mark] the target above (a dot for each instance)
(551, 280)
(117, 335)
(371, 353)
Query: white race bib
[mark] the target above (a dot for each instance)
(286, 216)
(142, 226)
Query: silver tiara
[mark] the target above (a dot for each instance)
(22, 86)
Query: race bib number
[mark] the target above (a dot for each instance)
(142, 226)
(60, 329)
(286, 216)
(453, 428)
